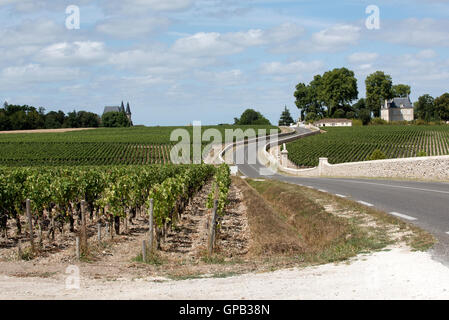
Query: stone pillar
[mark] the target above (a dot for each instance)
(284, 157)
(323, 162)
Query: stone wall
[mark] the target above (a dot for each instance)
(425, 168)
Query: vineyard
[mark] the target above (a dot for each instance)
(108, 195)
(118, 146)
(358, 143)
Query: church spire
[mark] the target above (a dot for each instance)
(128, 109)
(122, 107)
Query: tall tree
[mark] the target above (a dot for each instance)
(307, 99)
(401, 90)
(379, 87)
(338, 88)
(251, 117)
(115, 120)
(425, 108)
(442, 106)
(286, 118)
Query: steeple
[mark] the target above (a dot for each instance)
(122, 107)
(128, 109)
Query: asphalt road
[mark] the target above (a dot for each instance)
(425, 204)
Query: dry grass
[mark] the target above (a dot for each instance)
(288, 220)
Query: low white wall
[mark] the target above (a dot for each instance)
(428, 168)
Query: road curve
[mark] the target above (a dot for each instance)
(425, 204)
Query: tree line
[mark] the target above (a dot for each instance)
(333, 94)
(24, 117)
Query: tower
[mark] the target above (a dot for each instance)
(128, 113)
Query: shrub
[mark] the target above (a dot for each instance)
(422, 154)
(357, 123)
(377, 155)
(378, 121)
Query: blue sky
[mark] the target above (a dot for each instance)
(177, 61)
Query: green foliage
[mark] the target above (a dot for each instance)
(442, 107)
(115, 120)
(401, 90)
(422, 154)
(377, 155)
(358, 143)
(378, 122)
(14, 117)
(102, 146)
(338, 89)
(425, 108)
(220, 189)
(335, 90)
(286, 118)
(251, 117)
(379, 87)
(114, 190)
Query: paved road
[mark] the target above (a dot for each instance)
(424, 203)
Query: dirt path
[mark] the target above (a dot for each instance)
(378, 276)
(47, 130)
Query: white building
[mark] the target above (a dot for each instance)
(334, 123)
(397, 109)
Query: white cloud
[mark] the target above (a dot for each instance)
(363, 57)
(416, 32)
(139, 6)
(296, 67)
(215, 44)
(336, 37)
(36, 73)
(30, 32)
(132, 27)
(427, 54)
(78, 52)
(204, 44)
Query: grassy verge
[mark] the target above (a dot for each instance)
(313, 227)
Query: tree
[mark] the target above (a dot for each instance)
(401, 90)
(286, 118)
(251, 117)
(379, 87)
(425, 108)
(442, 106)
(88, 119)
(54, 120)
(307, 99)
(338, 88)
(115, 120)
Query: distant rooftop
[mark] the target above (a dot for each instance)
(399, 103)
(330, 120)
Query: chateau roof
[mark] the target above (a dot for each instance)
(399, 103)
(112, 109)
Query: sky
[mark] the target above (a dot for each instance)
(179, 61)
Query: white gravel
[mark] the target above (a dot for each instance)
(395, 274)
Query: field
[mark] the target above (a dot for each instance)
(358, 143)
(111, 195)
(104, 146)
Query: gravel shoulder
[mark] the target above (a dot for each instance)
(381, 275)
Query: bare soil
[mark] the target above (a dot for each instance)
(47, 130)
(183, 251)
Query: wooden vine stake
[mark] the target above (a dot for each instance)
(78, 251)
(151, 229)
(83, 227)
(144, 251)
(212, 229)
(30, 223)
